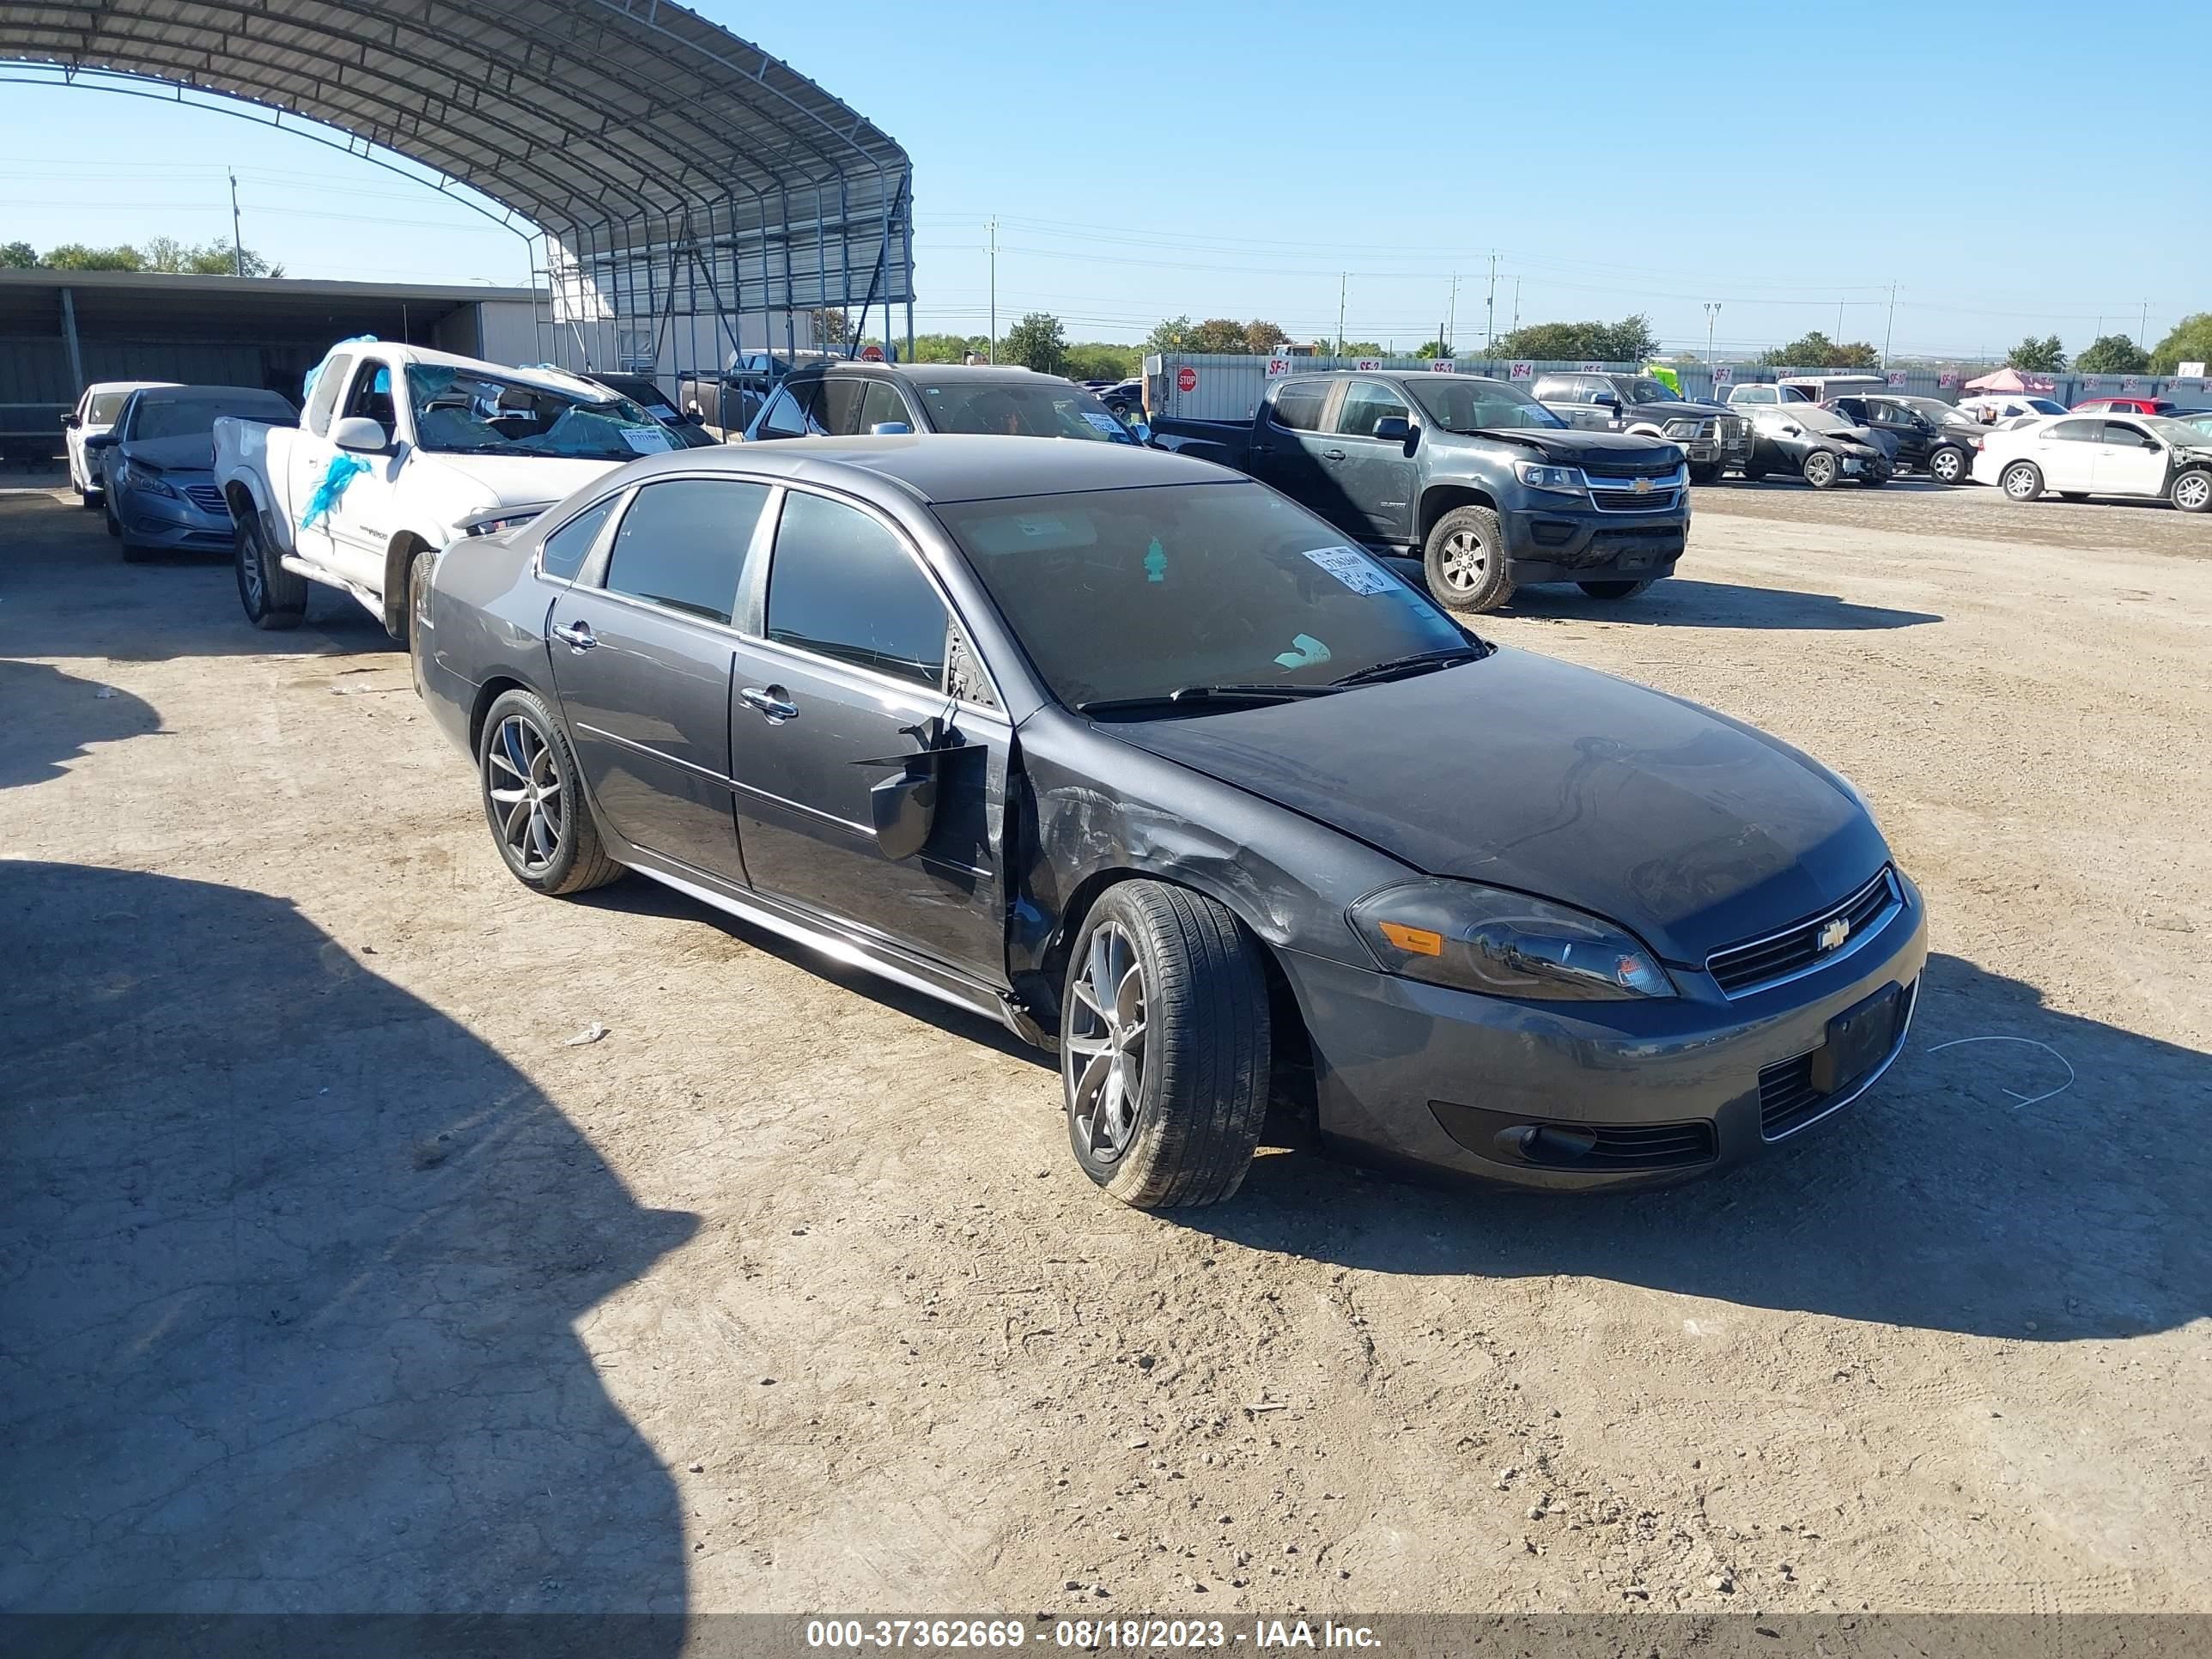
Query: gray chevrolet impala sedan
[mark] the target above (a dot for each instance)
(1142, 759)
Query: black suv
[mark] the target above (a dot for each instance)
(851, 400)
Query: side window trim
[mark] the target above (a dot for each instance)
(752, 600)
(593, 569)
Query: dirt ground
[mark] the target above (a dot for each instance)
(338, 1271)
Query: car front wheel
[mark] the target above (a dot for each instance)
(2021, 481)
(273, 597)
(1820, 469)
(1164, 1045)
(1948, 465)
(2192, 491)
(533, 799)
(1464, 561)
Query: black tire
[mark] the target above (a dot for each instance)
(2021, 481)
(1613, 589)
(400, 616)
(2072, 495)
(1949, 465)
(132, 552)
(578, 858)
(2191, 490)
(1706, 472)
(114, 524)
(1464, 561)
(91, 500)
(1753, 474)
(1822, 468)
(1201, 1070)
(274, 598)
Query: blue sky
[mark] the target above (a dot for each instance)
(2011, 169)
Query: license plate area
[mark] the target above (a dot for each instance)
(1857, 1041)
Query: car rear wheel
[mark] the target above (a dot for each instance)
(1163, 1044)
(2192, 491)
(1706, 472)
(1820, 469)
(2021, 481)
(1464, 561)
(274, 598)
(1613, 589)
(1948, 465)
(114, 524)
(533, 799)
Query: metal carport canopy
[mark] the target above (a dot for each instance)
(655, 148)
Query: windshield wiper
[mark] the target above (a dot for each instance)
(1184, 696)
(1402, 667)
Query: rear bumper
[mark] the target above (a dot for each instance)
(1669, 1090)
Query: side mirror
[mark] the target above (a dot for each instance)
(904, 807)
(1791, 429)
(101, 440)
(1395, 429)
(361, 435)
(70, 421)
(1607, 400)
(891, 429)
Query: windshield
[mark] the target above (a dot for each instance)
(457, 411)
(1018, 409)
(1635, 390)
(195, 417)
(1472, 403)
(1139, 593)
(2176, 431)
(2045, 406)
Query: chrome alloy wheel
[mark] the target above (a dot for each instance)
(1465, 561)
(1103, 1055)
(2193, 493)
(524, 786)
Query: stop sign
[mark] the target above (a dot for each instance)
(872, 354)
(1186, 379)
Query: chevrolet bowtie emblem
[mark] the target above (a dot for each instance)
(1833, 932)
(1644, 486)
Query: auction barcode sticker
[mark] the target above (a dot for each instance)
(1353, 569)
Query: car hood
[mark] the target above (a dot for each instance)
(1685, 406)
(1575, 448)
(520, 480)
(193, 453)
(1691, 828)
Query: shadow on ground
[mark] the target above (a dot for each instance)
(1680, 602)
(1951, 1198)
(289, 1269)
(52, 717)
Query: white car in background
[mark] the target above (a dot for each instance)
(2008, 406)
(94, 413)
(2146, 457)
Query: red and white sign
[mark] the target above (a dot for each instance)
(1723, 373)
(1520, 370)
(1368, 365)
(2132, 383)
(1442, 365)
(872, 354)
(1897, 377)
(1947, 379)
(1278, 367)
(1186, 379)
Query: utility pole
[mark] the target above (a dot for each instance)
(991, 350)
(1712, 316)
(1490, 322)
(1341, 278)
(1516, 305)
(237, 239)
(1451, 318)
(1840, 322)
(2143, 330)
(1889, 329)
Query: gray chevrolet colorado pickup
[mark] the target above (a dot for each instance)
(1488, 489)
(1712, 436)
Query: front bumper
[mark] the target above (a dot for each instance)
(1548, 544)
(175, 522)
(1416, 1074)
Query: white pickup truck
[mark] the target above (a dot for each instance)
(398, 451)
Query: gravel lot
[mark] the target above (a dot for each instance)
(339, 1272)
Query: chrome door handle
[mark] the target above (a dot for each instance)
(771, 701)
(1332, 454)
(577, 636)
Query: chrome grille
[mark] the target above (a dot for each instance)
(1617, 493)
(1740, 968)
(207, 497)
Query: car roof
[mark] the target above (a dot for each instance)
(947, 467)
(186, 391)
(127, 385)
(950, 372)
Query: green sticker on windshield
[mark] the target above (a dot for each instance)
(1156, 561)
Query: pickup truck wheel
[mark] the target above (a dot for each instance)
(2192, 491)
(1706, 472)
(2021, 481)
(1164, 1045)
(274, 598)
(1465, 561)
(1613, 589)
(1753, 474)
(533, 799)
(1947, 464)
(1820, 469)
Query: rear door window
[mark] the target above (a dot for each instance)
(682, 544)
(1299, 405)
(2076, 432)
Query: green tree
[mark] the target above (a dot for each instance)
(1098, 360)
(214, 257)
(18, 256)
(1217, 334)
(1817, 350)
(2044, 356)
(1261, 337)
(1432, 348)
(1036, 342)
(1629, 340)
(831, 327)
(75, 256)
(1170, 334)
(1359, 349)
(2113, 353)
(2190, 343)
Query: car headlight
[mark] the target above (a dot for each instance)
(1505, 943)
(1537, 475)
(507, 519)
(134, 477)
(1682, 428)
